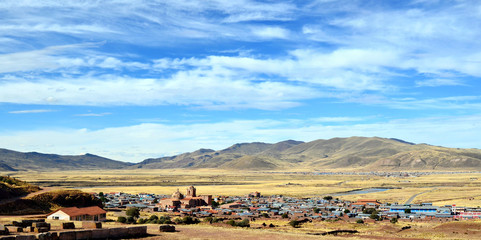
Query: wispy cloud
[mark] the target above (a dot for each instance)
(32, 111)
(439, 82)
(93, 114)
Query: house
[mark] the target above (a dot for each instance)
(94, 213)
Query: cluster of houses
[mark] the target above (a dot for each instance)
(254, 205)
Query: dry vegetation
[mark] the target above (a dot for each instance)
(460, 189)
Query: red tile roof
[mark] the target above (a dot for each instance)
(75, 211)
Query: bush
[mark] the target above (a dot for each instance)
(141, 221)
(243, 223)
(231, 222)
(133, 212)
(295, 223)
(121, 219)
(317, 210)
(164, 220)
(271, 225)
(393, 220)
(285, 215)
(265, 215)
(130, 220)
(346, 211)
(374, 216)
(186, 220)
(360, 221)
(328, 198)
(369, 211)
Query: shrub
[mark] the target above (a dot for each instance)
(271, 225)
(133, 212)
(374, 216)
(153, 218)
(141, 221)
(328, 198)
(295, 223)
(393, 220)
(243, 223)
(369, 211)
(346, 211)
(121, 219)
(285, 215)
(130, 220)
(265, 215)
(360, 221)
(231, 222)
(186, 220)
(164, 220)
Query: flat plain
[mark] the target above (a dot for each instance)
(462, 189)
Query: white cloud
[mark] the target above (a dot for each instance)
(58, 57)
(271, 32)
(138, 142)
(32, 111)
(193, 88)
(437, 82)
(93, 114)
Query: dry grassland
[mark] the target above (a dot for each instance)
(460, 189)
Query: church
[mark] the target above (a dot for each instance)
(190, 200)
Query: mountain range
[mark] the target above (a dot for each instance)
(361, 153)
(19, 161)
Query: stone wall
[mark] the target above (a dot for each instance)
(112, 233)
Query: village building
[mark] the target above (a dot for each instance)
(94, 213)
(190, 200)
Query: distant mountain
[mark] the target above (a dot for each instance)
(362, 153)
(18, 161)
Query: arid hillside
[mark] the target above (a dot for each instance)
(19, 161)
(361, 153)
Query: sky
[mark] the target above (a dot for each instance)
(133, 79)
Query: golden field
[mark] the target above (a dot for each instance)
(463, 189)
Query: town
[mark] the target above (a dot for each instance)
(254, 206)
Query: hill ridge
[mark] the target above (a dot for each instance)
(354, 152)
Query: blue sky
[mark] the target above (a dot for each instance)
(135, 79)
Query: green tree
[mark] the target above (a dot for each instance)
(360, 221)
(231, 222)
(369, 211)
(328, 198)
(121, 219)
(374, 216)
(243, 223)
(317, 210)
(295, 223)
(285, 215)
(133, 212)
(394, 220)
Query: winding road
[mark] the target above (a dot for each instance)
(417, 194)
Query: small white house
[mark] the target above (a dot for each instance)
(79, 214)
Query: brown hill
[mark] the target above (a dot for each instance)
(11, 187)
(49, 201)
(362, 153)
(15, 161)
